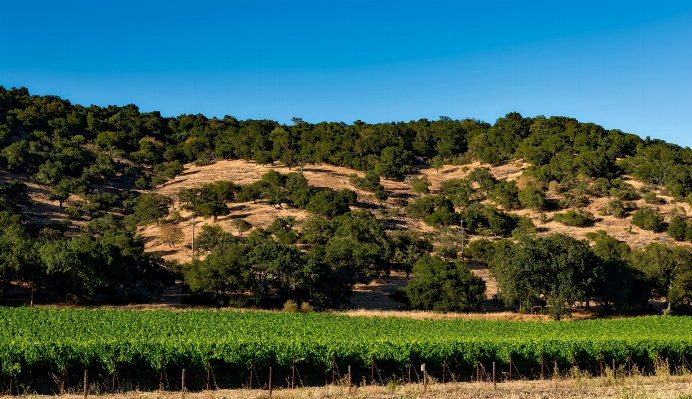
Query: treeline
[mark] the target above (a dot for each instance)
(105, 262)
(50, 139)
(559, 272)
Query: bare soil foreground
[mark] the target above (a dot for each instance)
(658, 387)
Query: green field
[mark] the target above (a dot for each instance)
(48, 339)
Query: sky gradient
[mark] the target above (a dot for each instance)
(622, 64)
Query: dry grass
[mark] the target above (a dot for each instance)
(373, 296)
(670, 387)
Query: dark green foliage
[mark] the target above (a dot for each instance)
(358, 243)
(151, 207)
(143, 182)
(241, 225)
(485, 219)
(600, 187)
(524, 228)
(408, 249)
(459, 191)
(615, 208)
(282, 229)
(480, 250)
(210, 199)
(555, 270)
(669, 271)
(223, 273)
(211, 238)
(420, 185)
(251, 192)
(532, 198)
(381, 195)
(578, 218)
(371, 181)
(573, 199)
(328, 204)
(651, 198)
(622, 190)
(434, 210)
(443, 286)
(648, 219)
(505, 194)
(484, 178)
(677, 228)
(616, 285)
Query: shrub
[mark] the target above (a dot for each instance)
(677, 228)
(615, 208)
(532, 198)
(651, 198)
(291, 306)
(648, 219)
(578, 218)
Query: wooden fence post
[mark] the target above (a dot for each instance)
(372, 371)
(270, 381)
(251, 368)
(614, 370)
(182, 381)
(542, 366)
(510, 368)
(86, 383)
(600, 364)
(333, 368)
(293, 373)
(494, 381)
(425, 377)
(349, 378)
(444, 369)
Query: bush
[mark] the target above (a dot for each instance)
(532, 198)
(578, 218)
(615, 208)
(143, 182)
(480, 250)
(291, 306)
(648, 219)
(677, 228)
(651, 198)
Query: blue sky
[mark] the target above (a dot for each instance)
(621, 64)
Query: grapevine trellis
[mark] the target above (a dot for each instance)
(214, 343)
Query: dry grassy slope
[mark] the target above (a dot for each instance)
(336, 178)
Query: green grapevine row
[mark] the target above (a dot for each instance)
(51, 339)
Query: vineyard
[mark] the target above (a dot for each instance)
(112, 343)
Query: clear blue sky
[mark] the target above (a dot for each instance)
(621, 64)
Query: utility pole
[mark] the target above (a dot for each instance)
(193, 236)
(461, 226)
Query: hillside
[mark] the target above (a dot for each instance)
(336, 178)
(96, 206)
